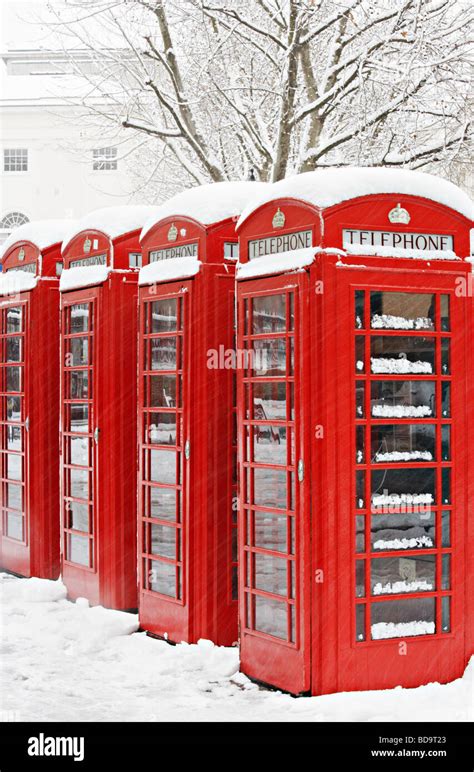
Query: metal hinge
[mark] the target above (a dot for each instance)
(96, 435)
(301, 470)
(187, 449)
(27, 424)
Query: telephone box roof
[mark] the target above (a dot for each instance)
(113, 221)
(323, 188)
(208, 204)
(41, 233)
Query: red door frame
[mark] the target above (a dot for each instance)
(265, 657)
(340, 663)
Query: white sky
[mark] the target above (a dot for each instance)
(21, 24)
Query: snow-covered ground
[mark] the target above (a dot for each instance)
(66, 661)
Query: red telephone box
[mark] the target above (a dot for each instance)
(98, 395)
(354, 529)
(29, 334)
(186, 433)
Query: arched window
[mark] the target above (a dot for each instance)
(9, 222)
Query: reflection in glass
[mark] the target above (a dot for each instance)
(359, 309)
(445, 356)
(163, 578)
(14, 316)
(360, 578)
(360, 533)
(446, 486)
(269, 314)
(78, 516)
(163, 391)
(269, 357)
(446, 443)
(164, 315)
(163, 503)
(446, 614)
(14, 409)
(360, 489)
(14, 496)
(446, 572)
(14, 525)
(360, 622)
(163, 540)
(13, 378)
(402, 618)
(269, 401)
(445, 324)
(270, 488)
(360, 445)
(79, 352)
(271, 617)
(271, 531)
(79, 384)
(402, 311)
(402, 443)
(360, 399)
(403, 531)
(397, 575)
(79, 419)
(13, 352)
(14, 438)
(270, 573)
(79, 451)
(14, 467)
(403, 399)
(163, 466)
(397, 354)
(163, 353)
(79, 483)
(80, 318)
(269, 444)
(446, 399)
(78, 551)
(446, 529)
(403, 488)
(360, 353)
(161, 428)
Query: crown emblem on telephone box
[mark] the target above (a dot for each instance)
(173, 233)
(399, 215)
(278, 219)
(87, 245)
(21, 254)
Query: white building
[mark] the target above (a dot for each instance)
(53, 161)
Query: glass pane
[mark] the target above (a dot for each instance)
(446, 614)
(269, 401)
(79, 318)
(14, 438)
(359, 309)
(79, 418)
(360, 622)
(360, 533)
(403, 399)
(403, 532)
(445, 356)
(164, 316)
(78, 516)
(162, 466)
(360, 445)
(445, 324)
(163, 353)
(15, 526)
(79, 484)
(402, 311)
(411, 573)
(269, 444)
(163, 391)
(446, 486)
(403, 618)
(78, 549)
(270, 488)
(396, 354)
(360, 399)
(360, 578)
(14, 319)
(446, 529)
(446, 443)
(235, 583)
(163, 578)
(446, 572)
(13, 350)
(271, 531)
(14, 496)
(269, 357)
(360, 489)
(14, 467)
(271, 574)
(163, 503)
(163, 541)
(403, 488)
(402, 443)
(360, 354)
(271, 617)
(79, 384)
(161, 428)
(14, 409)
(79, 451)
(78, 352)
(269, 314)
(13, 378)
(446, 399)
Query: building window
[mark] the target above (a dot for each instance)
(15, 160)
(11, 221)
(231, 250)
(104, 159)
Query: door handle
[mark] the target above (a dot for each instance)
(187, 450)
(301, 470)
(96, 435)
(27, 424)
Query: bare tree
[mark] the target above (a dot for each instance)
(218, 87)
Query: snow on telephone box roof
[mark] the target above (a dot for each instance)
(112, 221)
(208, 204)
(323, 188)
(41, 233)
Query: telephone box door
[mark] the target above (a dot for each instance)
(273, 464)
(393, 542)
(15, 423)
(79, 478)
(166, 533)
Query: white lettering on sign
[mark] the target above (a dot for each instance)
(287, 242)
(94, 260)
(423, 242)
(181, 250)
(28, 267)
